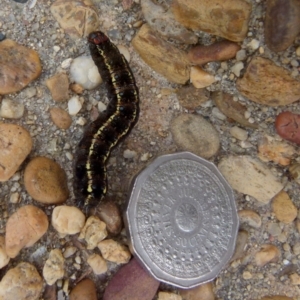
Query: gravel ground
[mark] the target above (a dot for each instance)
(36, 28)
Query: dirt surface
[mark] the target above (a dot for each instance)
(36, 28)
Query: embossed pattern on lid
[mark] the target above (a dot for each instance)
(182, 219)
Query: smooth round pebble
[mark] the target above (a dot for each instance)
(21, 283)
(46, 181)
(60, 118)
(124, 50)
(239, 133)
(195, 134)
(54, 267)
(283, 208)
(67, 219)
(74, 105)
(24, 228)
(110, 213)
(15, 145)
(84, 290)
(84, 72)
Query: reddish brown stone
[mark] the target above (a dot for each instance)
(223, 50)
(131, 282)
(287, 126)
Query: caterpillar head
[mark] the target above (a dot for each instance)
(97, 37)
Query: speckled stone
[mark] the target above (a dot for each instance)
(19, 66)
(195, 134)
(266, 83)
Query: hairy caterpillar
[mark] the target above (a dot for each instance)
(90, 178)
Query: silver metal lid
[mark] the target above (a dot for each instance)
(182, 219)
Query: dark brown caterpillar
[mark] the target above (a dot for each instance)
(90, 178)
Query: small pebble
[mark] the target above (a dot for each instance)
(268, 253)
(67, 219)
(250, 217)
(94, 231)
(110, 213)
(239, 133)
(287, 125)
(66, 63)
(58, 86)
(74, 105)
(101, 106)
(11, 109)
(241, 55)
(295, 279)
(124, 50)
(84, 72)
(283, 208)
(54, 267)
(218, 114)
(114, 251)
(97, 263)
(60, 118)
(81, 121)
(84, 290)
(298, 51)
(200, 78)
(129, 154)
(254, 44)
(69, 251)
(247, 275)
(237, 68)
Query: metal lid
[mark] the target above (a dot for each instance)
(182, 219)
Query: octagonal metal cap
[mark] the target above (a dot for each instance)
(182, 219)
